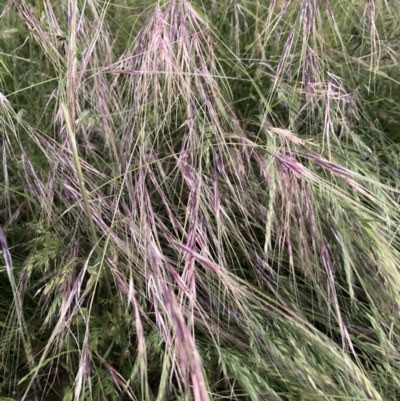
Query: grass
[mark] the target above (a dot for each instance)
(199, 200)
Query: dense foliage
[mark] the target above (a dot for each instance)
(199, 200)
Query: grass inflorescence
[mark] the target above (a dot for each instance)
(199, 200)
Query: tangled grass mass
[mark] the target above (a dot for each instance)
(199, 200)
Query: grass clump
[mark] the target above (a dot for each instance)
(199, 200)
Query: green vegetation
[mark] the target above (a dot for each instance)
(199, 200)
